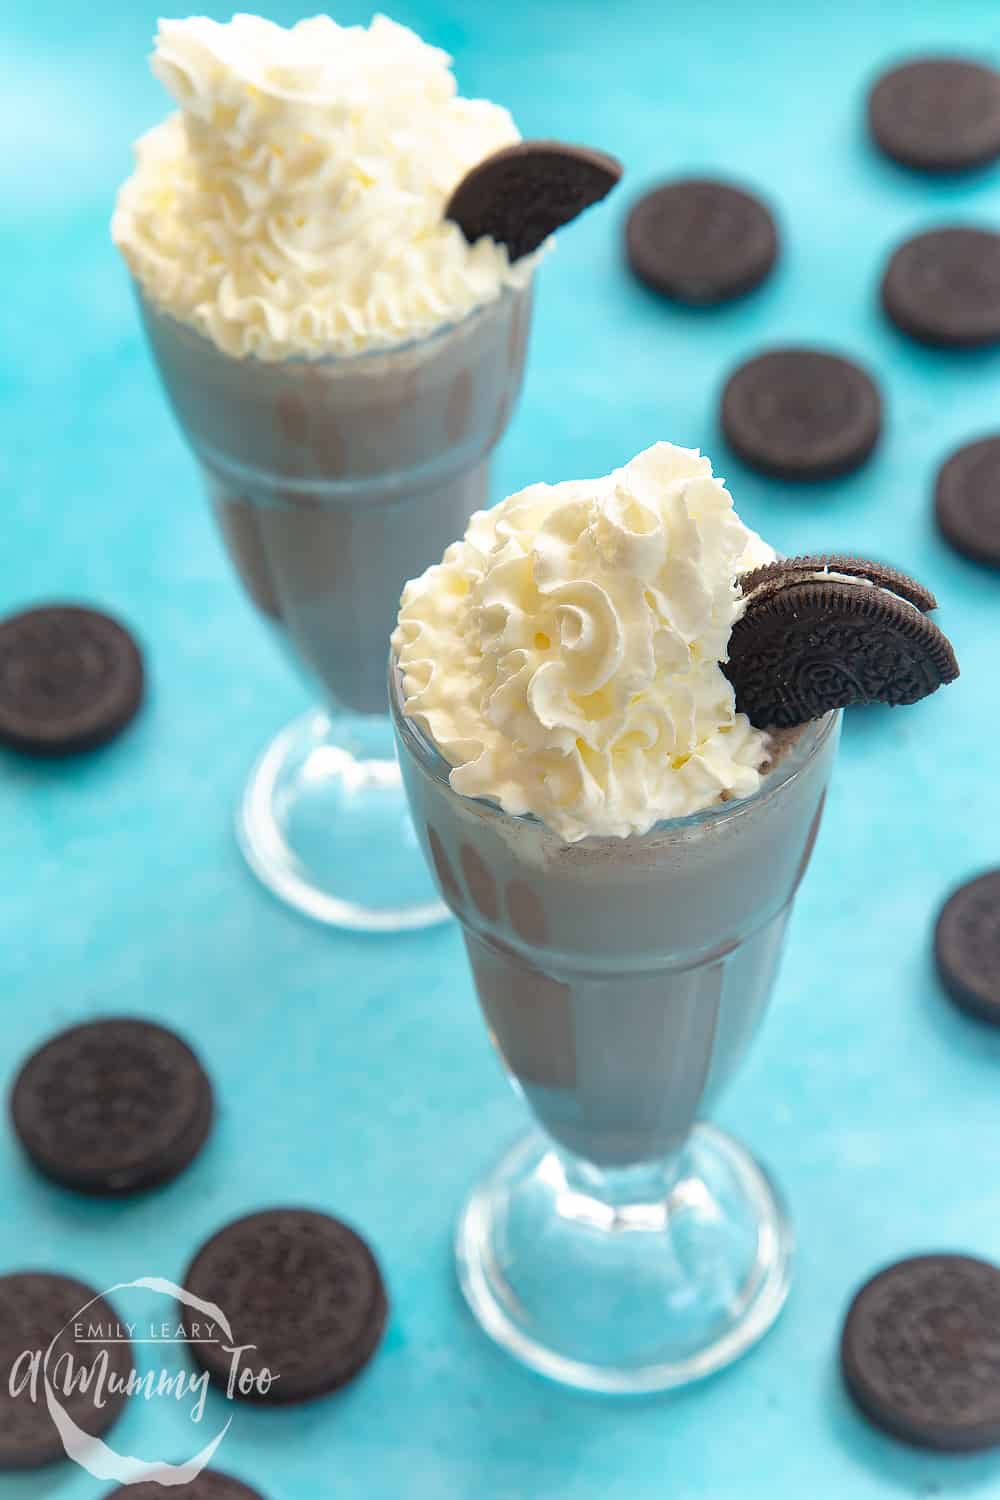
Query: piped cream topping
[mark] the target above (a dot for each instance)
(565, 655)
(294, 203)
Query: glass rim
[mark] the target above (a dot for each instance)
(507, 294)
(789, 768)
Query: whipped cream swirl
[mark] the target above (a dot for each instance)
(564, 657)
(294, 204)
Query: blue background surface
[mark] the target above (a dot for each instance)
(354, 1074)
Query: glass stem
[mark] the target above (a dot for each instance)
(634, 1197)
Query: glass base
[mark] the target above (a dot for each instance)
(627, 1282)
(324, 824)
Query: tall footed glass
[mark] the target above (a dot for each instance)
(334, 481)
(626, 1246)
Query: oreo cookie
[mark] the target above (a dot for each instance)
(86, 1376)
(827, 566)
(701, 241)
(70, 679)
(920, 1352)
(967, 946)
(809, 642)
(967, 501)
(943, 287)
(801, 414)
(112, 1107)
(938, 114)
(304, 1290)
(522, 194)
(209, 1485)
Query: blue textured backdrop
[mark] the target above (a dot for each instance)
(355, 1075)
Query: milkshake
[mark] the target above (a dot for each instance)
(624, 906)
(622, 981)
(342, 362)
(331, 478)
(622, 848)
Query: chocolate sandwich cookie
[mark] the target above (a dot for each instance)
(209, 1485)
(304, 1290)
(829, 566)
(967, 501)
(112, 1106)
(70, 679)
(943, 287)
(920, 1352)
(35, 1309)
(701, 241)
(967, 946)
(801, 414)
(938, 114)
(522, 194)
(810, 642)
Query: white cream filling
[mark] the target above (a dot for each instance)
(774, 585)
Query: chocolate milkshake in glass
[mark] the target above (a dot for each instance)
(342, 363)
(622, 849)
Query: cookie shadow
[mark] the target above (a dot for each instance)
(951, 185)
(964, 1034)
(972, 362)
(911, 1471)
(24, 770)
(694, 317)
(81, 1227)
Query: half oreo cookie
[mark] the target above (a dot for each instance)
(821, 633)
(524, 193)
(834, 567)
